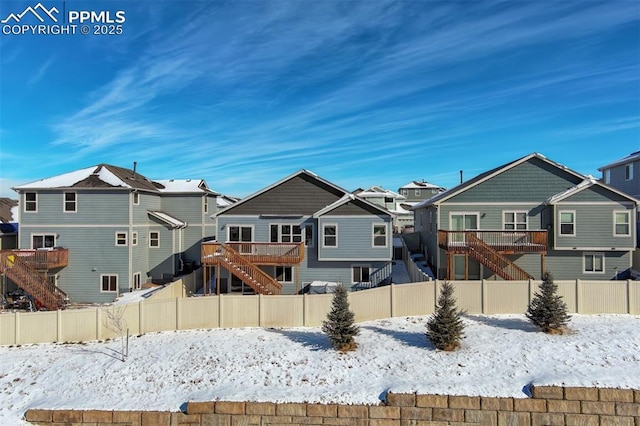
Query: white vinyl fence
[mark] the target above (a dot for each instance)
(168, 310)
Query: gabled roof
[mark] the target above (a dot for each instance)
(182, 186)
(108, 176)
(634, 156)
(99, 176)
(346, 198)
(223, 201)
(378, 191)
(588, 182)
(417, 184)
(443, 196)
(168, 219)
(292, 176)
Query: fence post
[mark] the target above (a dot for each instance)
(629, 301)
(98, 328)
(16, 323)
(304, 310)
(392, 290)
(220, 313)
(483, 292)
(58, 325)
(141, 317)
(579, 307)
(178, 313)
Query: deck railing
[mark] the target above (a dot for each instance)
(501, 241)
(42, 259)
(260, 253)
(22, 273)
(238, 265)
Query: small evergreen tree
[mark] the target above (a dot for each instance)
(445, 327)
(340, 325)
(547, 310)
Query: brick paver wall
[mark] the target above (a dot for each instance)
(549, 405)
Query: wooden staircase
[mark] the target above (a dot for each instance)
(498, 264)
(46, 295)
(238, 265)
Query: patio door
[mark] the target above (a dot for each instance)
(462, 222)
(241, 234)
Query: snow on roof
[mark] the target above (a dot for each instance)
(168, 219)
(634, 156)
(377, 191)
(419, 185)
(69, 179)
(183, 185)
(586, 183)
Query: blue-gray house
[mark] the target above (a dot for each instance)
(297, 231)
(525, 217)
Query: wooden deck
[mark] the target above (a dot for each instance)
(256, 253)
(44, 259)
(503, 242)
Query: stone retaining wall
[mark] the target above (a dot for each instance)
(549, 405)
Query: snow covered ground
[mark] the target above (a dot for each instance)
(500, 356)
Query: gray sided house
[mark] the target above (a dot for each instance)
(391, 201)
(526, 217)
(624, 174)
(300, 230)
(105, 230)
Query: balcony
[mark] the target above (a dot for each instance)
(256, 253)
(503, 242)
(44, 259)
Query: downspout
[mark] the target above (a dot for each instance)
(130, 247)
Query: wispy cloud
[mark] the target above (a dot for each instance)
(40, 72)
(262, 88)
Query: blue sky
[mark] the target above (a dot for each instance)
(243, 93)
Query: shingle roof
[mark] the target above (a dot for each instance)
(634, 156)
(7, 209)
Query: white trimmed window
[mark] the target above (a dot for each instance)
(134, 238)
(607, 176)
(136, 198)
(628, 171)
(594, 263)
(285, 233)
(330, 235)
(360, 274)
(379, 235)
(514, 220)
(121, 238)
(108, 283)
(154, 239)
(404, 192)
(621, 224)
(43, 241)
(567, 223)
(70, 202)
(416, 192)
(30, 201)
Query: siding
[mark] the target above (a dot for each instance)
(302, 194)
(355, 239)
(594, 227)
(93, 207)
(532, 181)
(618, 180)
(568, 265)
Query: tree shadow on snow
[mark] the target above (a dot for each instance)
(418, 340)
(507, 323)
(314, 340)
